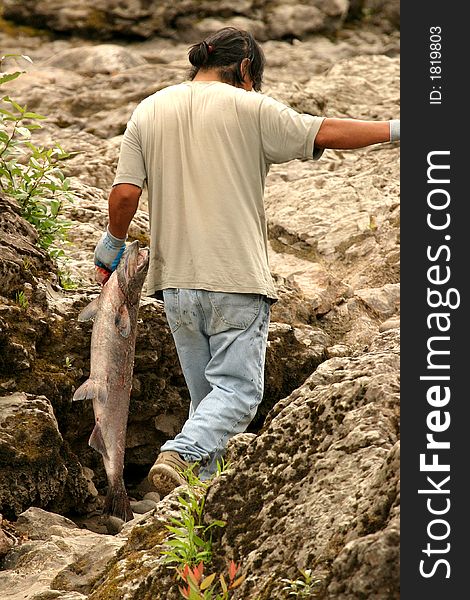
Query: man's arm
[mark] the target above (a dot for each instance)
(122, 206)
(346, 134)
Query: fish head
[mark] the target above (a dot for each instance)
(132, 270)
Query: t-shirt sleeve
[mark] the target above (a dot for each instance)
(131, 165)
(287, 134)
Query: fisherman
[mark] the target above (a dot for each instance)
(203, 148)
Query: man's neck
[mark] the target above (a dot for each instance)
(208, 75)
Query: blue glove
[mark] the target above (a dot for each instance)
(109, 251)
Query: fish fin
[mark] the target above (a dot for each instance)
(90, 310)
(123, 321)
(96, 441)
(117, 503)
(86, 391)
(91, 390)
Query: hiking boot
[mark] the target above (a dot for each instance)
(166, 473)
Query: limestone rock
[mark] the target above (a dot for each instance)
(7, 538)
(35, 463)
(106, 18)
(20, 258)
(322, 474)
(384, 302)
(58, 560)
(296, 18)
(101, 58)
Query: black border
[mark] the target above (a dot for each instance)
(434, 127)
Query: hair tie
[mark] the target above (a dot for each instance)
(209, 47)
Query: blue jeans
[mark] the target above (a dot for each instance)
(221, 343)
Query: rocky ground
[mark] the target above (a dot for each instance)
(315, 482)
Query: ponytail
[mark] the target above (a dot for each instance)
(199, 54)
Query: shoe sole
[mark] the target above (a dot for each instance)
(165, 479)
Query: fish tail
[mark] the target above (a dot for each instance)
(117, 503)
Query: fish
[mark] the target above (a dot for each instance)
(112, 353)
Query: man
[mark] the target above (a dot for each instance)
(204, 148)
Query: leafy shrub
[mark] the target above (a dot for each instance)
(32, 174)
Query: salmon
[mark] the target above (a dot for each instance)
(112, 354)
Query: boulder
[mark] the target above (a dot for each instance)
(93, 59)
(41, 567)
(187, 19)
(37, 467)
(322, 474)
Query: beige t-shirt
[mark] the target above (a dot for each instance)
(204, 149)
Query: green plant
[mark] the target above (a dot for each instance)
(21, 300)
(66, 280)
(222, 466)
(27, 264)
(190, 540)
(301, 588)
(32, 174)
(189, 546)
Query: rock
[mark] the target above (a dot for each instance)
(103, 20)
(382, 11)
(320, 288)
(336, 431)
(392, 323)
(292, 354)
(384, 301)
(7, 539)
(102, 58)
(113, 524)
(296, 19)
(371, 551)
(39, 524)
(89, 475)
(153, 496)
(58, 557)
(30, 443)
(20, 258)
(143, 506)
(141, 558)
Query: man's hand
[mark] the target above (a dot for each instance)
(108, 253)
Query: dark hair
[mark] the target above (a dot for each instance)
(225, 50)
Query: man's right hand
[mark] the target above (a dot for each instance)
(108, 252)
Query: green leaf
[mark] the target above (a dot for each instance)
(4, 77)
(20, 109)
(216, 524)
(199, 542)
(207, 582)
(4, 111)
(176, 544)
(33, 115)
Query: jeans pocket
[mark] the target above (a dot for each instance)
(235, 310)
(172, 308)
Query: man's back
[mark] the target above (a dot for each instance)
(205, 152)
